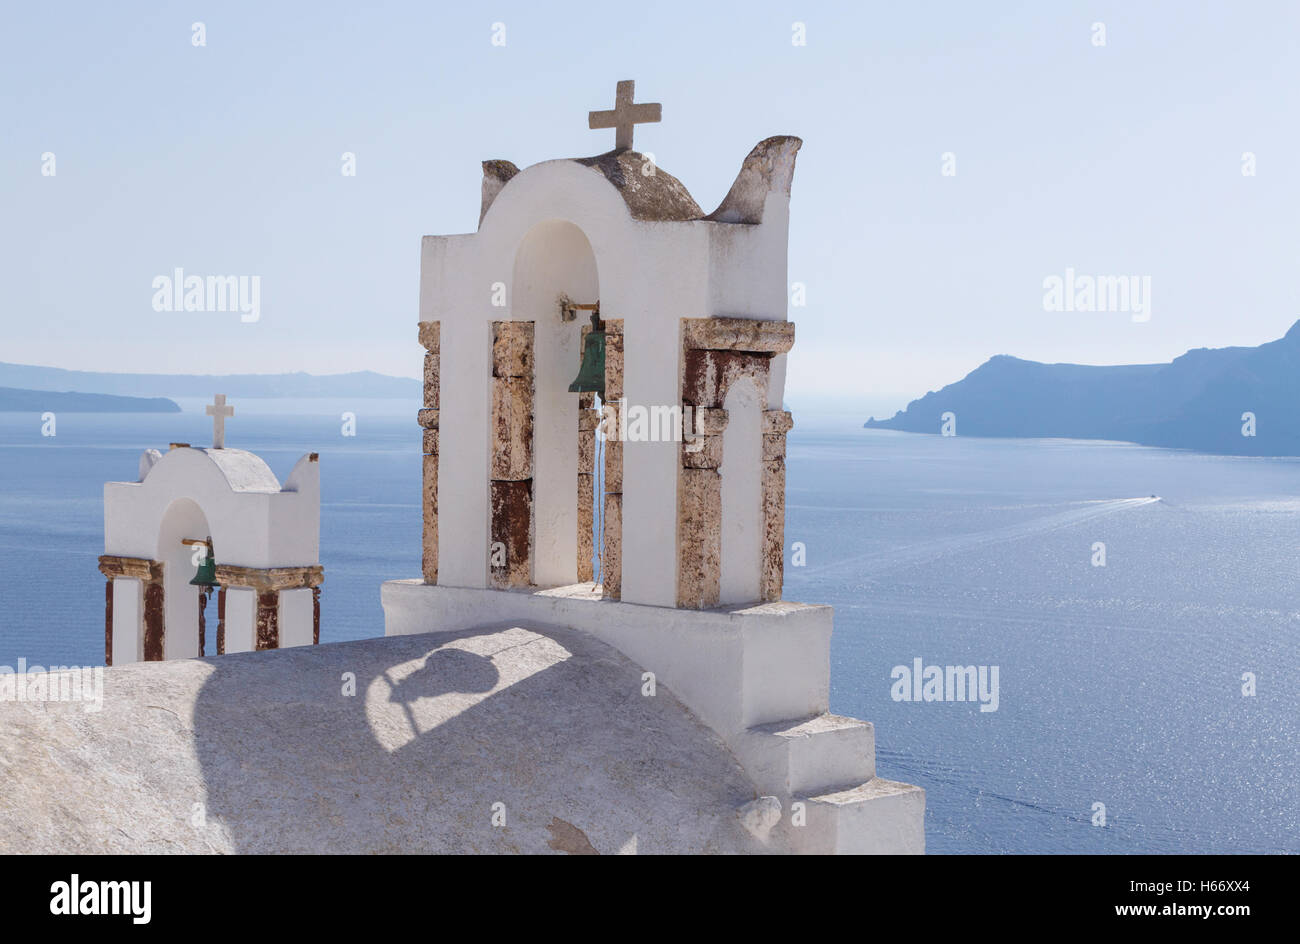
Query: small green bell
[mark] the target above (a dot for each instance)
(591, 375)
(207, 573)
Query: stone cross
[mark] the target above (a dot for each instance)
(218, 410)
(624, 115)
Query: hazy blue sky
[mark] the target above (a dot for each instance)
(1121, 160)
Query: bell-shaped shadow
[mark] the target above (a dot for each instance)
(445, 671)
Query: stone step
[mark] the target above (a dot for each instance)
(877, 817)
(809, 756)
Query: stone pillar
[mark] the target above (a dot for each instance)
(315, 616)
(204, 593)
(268, 619)
(511, 469)
(430, 334)
(699, 511)
(588, 420)
(699, 537)
(221, 621)
(611, 559)
(715, 353)
(776, 423)
(611, 556)
(155, 624)
(108, 621)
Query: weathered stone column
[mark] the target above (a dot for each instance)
(588, 420)
(776, 423)
(108, 621)
(699, 511)
(268, 619)
(715, 353)
(699, 537)
(511, 470)
(315, 616)
(155, 625)
(221, 621)
(430, 338)
(611, 557)
(204, 593)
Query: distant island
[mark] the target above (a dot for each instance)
(1199, 401)
(14, 400)
(359, 384)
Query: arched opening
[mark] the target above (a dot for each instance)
(554, 269)
(184, 520)
(742, 494)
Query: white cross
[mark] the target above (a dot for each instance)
(218, 410)
(625, 115)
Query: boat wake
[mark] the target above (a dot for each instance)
(907, 555)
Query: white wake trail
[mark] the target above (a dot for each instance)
(881, 561)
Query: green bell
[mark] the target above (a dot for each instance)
(207, 573)
(591, 375)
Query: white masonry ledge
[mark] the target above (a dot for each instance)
(735, 667)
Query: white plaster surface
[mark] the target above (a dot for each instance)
(253, 523)
(128, 620)
(241, 620)
(876, 817)
(297, 614)
(810, 756)
(735, 668)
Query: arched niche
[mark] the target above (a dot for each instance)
(554, 263)
(182, 520)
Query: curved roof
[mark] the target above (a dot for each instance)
(653, 194)
(649, 196)
(550, 723)
(243, 471)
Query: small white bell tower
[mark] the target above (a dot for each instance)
(223, 509)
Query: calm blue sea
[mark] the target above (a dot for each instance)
(1119, 685)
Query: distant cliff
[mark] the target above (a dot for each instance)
(14, 400)
(1195, 402)
(361, 384)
